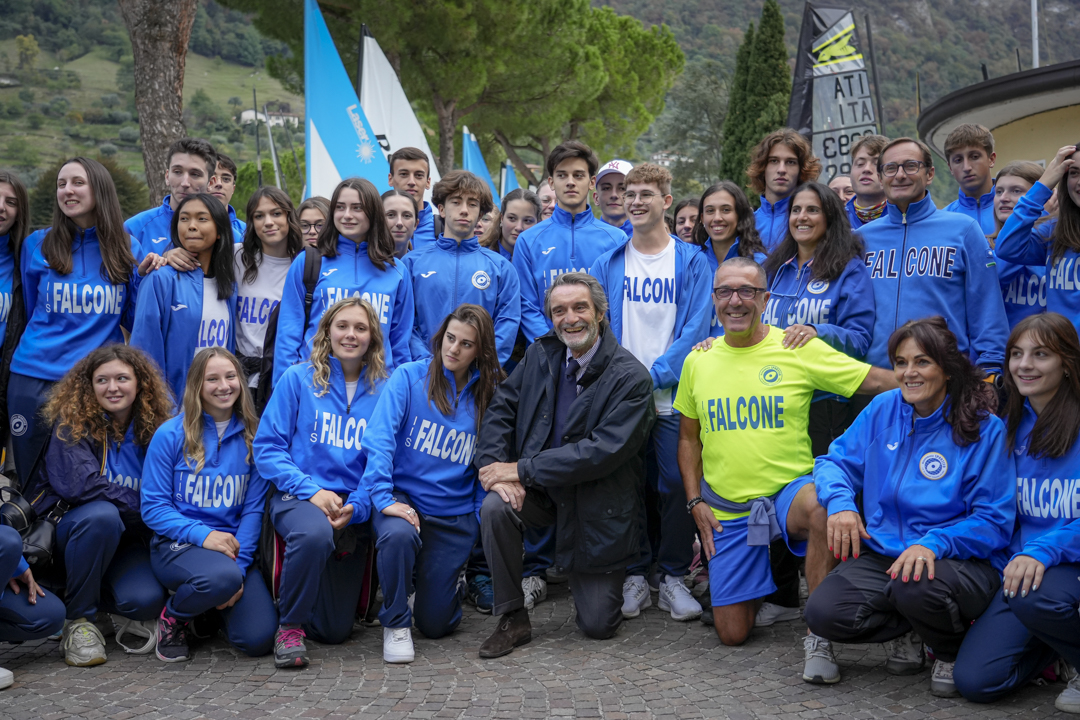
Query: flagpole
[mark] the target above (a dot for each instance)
(258, 152)
(360, 58)
(273, 152)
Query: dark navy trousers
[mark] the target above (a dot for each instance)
(19, 619)
(29, 431)
(675, 550)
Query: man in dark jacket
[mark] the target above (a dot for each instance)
(563, 442)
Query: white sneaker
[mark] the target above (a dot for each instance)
(82, 644)
(6, 678)
(941, 680)
(1068, 701)
(819, 663)
(535, 589)
(676, 599)
(770, 614)
(145, 630)
(635, 596)
(397, 645)
(905, 655)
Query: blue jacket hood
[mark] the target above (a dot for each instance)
(772, 221)
(918, 486)
(562, 243)
(446, 274)
(929, 262)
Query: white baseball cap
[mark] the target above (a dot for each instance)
(614, 166)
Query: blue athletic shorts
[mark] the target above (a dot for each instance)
(738, 571)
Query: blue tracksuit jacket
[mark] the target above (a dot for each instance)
(153, 227)
(424, 234)
(7, 280)
(980, 209)
(772, 221)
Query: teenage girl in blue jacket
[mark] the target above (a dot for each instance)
(1034, 620)
(309, 448)
(179, 313)
(419, 474)
(931, 463)
(203, 497)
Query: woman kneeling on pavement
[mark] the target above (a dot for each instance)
(1034, 621)
(930, 461)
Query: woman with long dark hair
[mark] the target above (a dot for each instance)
(104, 412)
(14, 227)
(1035, 620)
(357, 260)
(78, 289)
(402, 217)
(686, 215)
(932, 465)
(1023, 287)
(520, 210)
(179, 313)
(421, 480)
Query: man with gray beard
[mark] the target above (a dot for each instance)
(563, 443)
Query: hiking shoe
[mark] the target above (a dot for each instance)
(820, 665)
(289, 648)
(905, 655)
(941, 681)
(145, 632)
(771, 613)
(172, 638)
(513, 630)
(535, 589)
(82, 644)
(1068, 701)
(6, 678)
(397, 645)
(676, 599)
(635, 596)
(481, 593)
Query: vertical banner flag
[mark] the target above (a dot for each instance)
(509, 178)
(340, 141)
(388, 109)
(830, 94)
(473, 160)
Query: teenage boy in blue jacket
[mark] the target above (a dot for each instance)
(455, 269)
(658, 291)
(869, 201)
(924, 261)
(410, 173)
(970, 152)
(222, 186)
(569, 241)
(610, 186)
(779, 164)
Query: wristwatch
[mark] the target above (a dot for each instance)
(690, 505)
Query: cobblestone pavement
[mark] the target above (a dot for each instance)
(654, 667)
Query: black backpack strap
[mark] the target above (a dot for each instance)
(312, 267)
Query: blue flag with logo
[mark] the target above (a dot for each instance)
(509, 178)
(473, 160)
(340, 141)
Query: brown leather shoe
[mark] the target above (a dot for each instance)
(513, 631)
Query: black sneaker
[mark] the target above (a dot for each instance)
(289, 648)
(172, 641)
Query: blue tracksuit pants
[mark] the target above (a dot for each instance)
(19, 619)
(29, 431)
(318, 590)
(428, 563)
(675, 550)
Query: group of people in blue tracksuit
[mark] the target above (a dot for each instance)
(381, 353)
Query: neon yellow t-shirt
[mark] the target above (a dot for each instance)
(753, 405)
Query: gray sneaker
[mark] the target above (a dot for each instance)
(941, 681)
(535, 589)
(770, 614)
(676, 599)
(905, 655)
(1069, 699)
(635, 596)
(820, 665)
(82, 644)
(6, 678)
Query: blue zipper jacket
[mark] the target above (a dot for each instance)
(226, 495)
(446, 274)
(169, 323)
(930, 262)
(424, 234)
(853, 217)
(980, 209)
(692, 297)
(1023, 288)
(1020, 242)
(841, 310)
(772, 221)
(347, 274)
(918, 486)
(69, 315)
(715, 328)
(562, 243)
(1047, 501)
(7, 282)
(414, 448)
(308, 443)
(153, 227)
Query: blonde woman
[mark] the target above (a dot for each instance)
(308, 447)
(203, 498)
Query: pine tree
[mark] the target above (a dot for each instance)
(770, 77)
(735, 153)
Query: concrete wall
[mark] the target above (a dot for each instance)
(1037, 137)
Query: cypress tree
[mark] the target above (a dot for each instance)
(735, 152)
(770, 84)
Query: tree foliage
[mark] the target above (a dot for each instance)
(28, 50)
(693, 127)
(131, 191)
(735, 151)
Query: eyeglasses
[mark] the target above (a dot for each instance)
(308, 227)
(745, 293)
(646, 197)
(911, 167)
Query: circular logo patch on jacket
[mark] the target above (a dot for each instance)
(18, 425)
(933, 466)
(481, 280)
(770, 375)
(817, 287)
